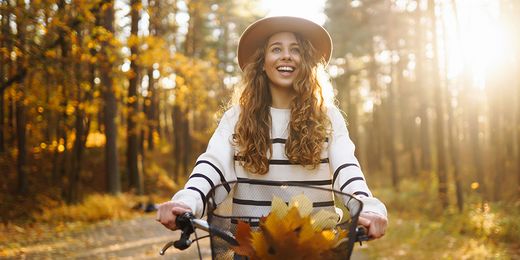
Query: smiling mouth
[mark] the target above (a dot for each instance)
(285, 69)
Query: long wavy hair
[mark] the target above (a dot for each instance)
(309, 123)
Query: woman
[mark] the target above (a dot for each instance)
(281, 129)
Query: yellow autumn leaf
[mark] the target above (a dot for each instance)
(324, 219)
(293, 219)
(291, 232)
(302, 203)
(278, 207)
(259, 244)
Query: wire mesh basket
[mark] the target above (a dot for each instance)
(251, 201)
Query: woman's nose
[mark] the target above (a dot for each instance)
(286, 54)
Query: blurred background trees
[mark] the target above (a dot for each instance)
(430, 89)
(121, 96)
(109, 97)
(90, 90)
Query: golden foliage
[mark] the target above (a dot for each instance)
(292, 232)
(96, 207)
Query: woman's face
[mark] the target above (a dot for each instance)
(282, 60)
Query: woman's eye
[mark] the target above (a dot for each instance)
(295, 50)
(276, 50)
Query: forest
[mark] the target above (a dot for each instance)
(116, 99)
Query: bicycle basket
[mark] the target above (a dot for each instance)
(251, 201)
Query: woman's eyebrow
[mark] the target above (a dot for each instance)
(279, 43)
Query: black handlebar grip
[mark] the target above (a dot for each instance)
(362, 234)
(184, 220)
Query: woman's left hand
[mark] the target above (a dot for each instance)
(375, 223)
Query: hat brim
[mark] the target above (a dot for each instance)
(256, 34)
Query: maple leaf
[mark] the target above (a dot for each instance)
(244, 239)
(291, 232)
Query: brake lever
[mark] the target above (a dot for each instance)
(165, 247)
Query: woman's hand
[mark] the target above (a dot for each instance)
(168, 212)
(375, 223)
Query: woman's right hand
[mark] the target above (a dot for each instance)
(168, 211)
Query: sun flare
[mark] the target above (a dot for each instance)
(479, 44)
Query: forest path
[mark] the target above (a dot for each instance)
(139, 238)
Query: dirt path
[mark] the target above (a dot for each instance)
(140, 238)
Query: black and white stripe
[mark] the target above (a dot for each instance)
(222, 179)
(200, 175)
(361, 193)
(350, 181)
(202, 196)
(341, 167)
(279, 183)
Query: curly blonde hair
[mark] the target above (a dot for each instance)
(309, 123)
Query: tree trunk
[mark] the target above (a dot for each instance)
(149, 109)
(178, 142)
(64, 156)
(11, 120)
(21, 125)
(2, 128)
(110, 102)
(497, 134)
(452, 128)
(77, 153)
(21, 120)
(439, 127)
(153, 30)
(377, 137)
(82, 126)
(424, 93)
(392, 153)
(4, 24)
(163, 116)
(188, 146)
(134, 175)
(405, 92)
(352, 112)
(392, 111)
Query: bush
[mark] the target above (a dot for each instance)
(94, 208)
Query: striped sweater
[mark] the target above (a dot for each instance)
(339, 169)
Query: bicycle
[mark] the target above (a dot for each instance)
(227, 209)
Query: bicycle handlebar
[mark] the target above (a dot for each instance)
(187, 223)
(362, 235)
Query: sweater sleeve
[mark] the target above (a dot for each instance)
(347, 175)
(215, 166)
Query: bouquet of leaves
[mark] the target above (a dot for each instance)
(293, 232)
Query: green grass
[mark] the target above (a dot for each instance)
(419, 229)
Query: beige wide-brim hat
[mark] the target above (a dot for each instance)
(257, 33)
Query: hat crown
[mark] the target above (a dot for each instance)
(258, 32)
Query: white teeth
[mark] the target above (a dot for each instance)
(285, 68)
